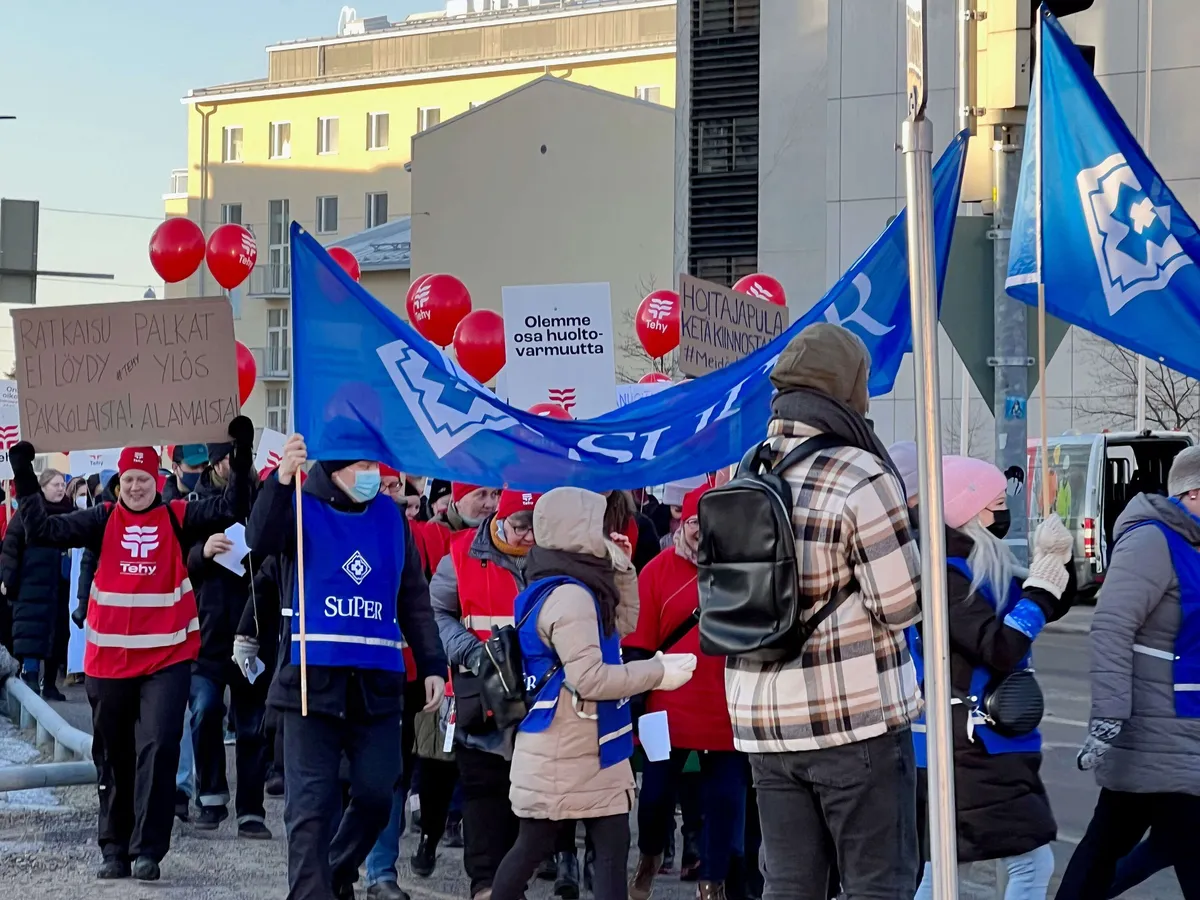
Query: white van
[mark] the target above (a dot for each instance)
(1092, 478)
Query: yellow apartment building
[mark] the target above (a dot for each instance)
(325, 138)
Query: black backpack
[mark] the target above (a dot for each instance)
(750, 599)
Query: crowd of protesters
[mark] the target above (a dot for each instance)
(797, 777)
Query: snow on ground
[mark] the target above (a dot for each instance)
(16, 752)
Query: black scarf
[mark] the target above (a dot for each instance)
(830, 416)
(593, 571)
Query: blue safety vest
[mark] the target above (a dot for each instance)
(352, 566)
(614, 721)
(1186, 659)
(1019, 613)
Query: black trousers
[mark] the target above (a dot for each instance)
(538, 839)
(489, 826)
(137, 724)
(314, 746)
(248, 708)
(436, 789)
(1118, 824)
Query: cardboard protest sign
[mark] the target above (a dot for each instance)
(558, 343)
(270, 449)
(10, 424)
(719, 325)
(116, 374)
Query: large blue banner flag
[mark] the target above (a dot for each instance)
(1118, 250)
(369, 387)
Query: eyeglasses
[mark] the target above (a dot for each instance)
(520, 530)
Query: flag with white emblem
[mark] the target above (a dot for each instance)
(369, 387)
(1118, 250)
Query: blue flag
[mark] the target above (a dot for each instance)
(369, 387)
(1118, 250)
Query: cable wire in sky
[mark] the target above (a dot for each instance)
(109, 215)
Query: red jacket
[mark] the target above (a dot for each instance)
(697, 713)
(433, 542)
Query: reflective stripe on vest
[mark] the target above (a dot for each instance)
(140, 601)
(1185, 660)
(482, 625)
(141, 641)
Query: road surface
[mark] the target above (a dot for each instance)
(51, 853)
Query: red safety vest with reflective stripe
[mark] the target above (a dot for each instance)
(142, 612)
(486, 592)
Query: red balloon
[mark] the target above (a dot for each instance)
(247, 372)
(231, 255)
(347, 261)
(762, 286)
(479, 343)
(654, 378)
(550, 411)
(658, 323)
(436, 304)
(176, 249)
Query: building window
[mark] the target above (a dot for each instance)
(327, 135)
(277, 409)
(231, 214)
(377, 210)
(377, 131)
(277, 342)
(428, 116)
(728, 145)
(279, 220)
(281, 140)
(327, 215)
(651, 93)
(232, 144)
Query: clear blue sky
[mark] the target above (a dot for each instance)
(96, 88)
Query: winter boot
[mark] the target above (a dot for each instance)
(641, 886)
(566, 882)
(453, 838)
(710, 890)
(689, 864)
(146, 869)
(424, 861)
(49, 690)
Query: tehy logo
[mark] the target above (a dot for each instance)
(9, 435)
(357, 568)
(754, 289)
(249, 252)
(527, 499)
(564, 397)
(140, 541)
(660, 308)
(1131, 236)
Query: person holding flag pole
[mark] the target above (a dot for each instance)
(351, 568)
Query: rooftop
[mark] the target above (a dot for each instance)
(383, 248)
(464, 36)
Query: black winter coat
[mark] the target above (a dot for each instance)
(342, 693)
(220, 594)
(1001, 802)
(87, 562)
(36, 588)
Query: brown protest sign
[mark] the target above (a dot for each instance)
(121, 374)
(719, 326)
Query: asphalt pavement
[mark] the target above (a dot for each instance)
(52, 853)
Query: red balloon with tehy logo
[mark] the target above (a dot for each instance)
(657, 323)
(764, 287)
(232, 253)
(436, 304)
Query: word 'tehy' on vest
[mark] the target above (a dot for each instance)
(353, 608)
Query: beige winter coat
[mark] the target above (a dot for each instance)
(556, 773)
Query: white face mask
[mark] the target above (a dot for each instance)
(81, 501)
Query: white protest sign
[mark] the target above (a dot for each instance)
(10, 424)
(628, 393)
(558, 343)
(270, 449)
(93, 462)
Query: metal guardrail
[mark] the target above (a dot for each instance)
(72, 748)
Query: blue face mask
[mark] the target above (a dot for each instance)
(190, 479)
(366, 485)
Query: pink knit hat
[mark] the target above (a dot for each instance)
(969, 487)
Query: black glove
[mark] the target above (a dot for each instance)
(241, 432)
(20, 457)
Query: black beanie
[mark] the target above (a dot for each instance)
(217, 452)
(329, 466)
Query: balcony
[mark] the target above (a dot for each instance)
(270, 280)
(273, 362)
(179, 185)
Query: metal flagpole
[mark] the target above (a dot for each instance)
(1039, 25)
(1141, 360)
(917, 144)
(965, 49)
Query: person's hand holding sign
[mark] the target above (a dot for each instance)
(295, 455)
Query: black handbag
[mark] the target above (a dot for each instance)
(502, 690)
(1014, 706)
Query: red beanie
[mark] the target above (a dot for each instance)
(144, 459)
(459, 489)
(515, 501)
(386, 471)
(691, 502)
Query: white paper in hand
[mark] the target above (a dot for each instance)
(232, 559)
(254, 668)
(655, 736)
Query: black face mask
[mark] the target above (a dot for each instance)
(999, 526)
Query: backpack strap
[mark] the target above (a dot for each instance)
(810, 626)
(679, 632)
(810, 447)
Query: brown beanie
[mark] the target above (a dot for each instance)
(826, 358)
